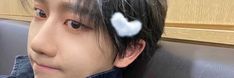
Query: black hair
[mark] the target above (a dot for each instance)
(151, 13)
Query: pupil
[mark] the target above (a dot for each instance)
(42, 14)
(75, 25)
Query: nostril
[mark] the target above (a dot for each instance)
(37, 49)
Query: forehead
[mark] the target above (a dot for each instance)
(50, 3)
(78, 6)
(85, 7)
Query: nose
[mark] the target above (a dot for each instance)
(43, 42)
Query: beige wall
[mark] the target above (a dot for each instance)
(201, 11)
(13, 9)
(201, 20)
(196, 20)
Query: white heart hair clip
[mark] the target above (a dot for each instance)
(123, 27)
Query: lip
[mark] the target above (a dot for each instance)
(44, 67)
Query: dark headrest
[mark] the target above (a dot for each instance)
(183, 60)
(13, 41)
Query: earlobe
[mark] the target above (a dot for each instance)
(132, 52)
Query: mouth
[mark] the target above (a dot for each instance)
(44, 67)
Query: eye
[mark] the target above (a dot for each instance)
(40, 13)
(73, 24)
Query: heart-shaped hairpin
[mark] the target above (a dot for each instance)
(123, 27)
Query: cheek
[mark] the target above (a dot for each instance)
(83, 54)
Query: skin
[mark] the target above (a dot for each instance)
(59, 50)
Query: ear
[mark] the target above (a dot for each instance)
(132, 52)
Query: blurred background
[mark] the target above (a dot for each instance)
(206, 21)
(198, 41)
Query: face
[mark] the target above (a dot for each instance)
(61, 46)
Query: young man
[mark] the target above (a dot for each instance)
(81, 38)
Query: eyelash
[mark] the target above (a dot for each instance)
(73, 24)
(39, 13)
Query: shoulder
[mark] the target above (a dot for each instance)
(22, 68)
(3, 76)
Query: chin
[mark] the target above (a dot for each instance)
(40, 75)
